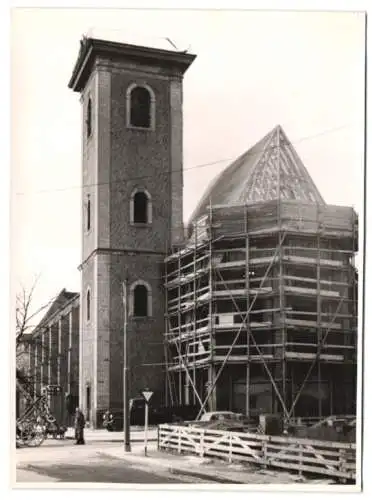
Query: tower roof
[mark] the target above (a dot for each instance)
(267, 171)
(90, 48)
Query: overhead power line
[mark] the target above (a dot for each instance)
(201, 165)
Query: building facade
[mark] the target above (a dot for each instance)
(131, 101)
(53, 352)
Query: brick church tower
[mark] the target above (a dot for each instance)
(131, 99)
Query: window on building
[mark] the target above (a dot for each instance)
(140, 106)
(141, 207)
(141, 300)
(88, 213)
(89, 118)
(88, 305)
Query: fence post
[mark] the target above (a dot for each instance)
(230, 447)
(301, 455)
(201, 444)
(342, 460)
(264, 453)
(179, 440)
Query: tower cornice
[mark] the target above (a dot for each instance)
(119, 251)
(90, 48)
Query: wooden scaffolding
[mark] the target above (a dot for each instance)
(262, 310)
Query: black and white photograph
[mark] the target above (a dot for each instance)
(187, 235)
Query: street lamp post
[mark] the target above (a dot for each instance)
(126, 416)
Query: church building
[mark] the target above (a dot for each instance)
(253, 308)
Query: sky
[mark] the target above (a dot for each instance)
(254, 70)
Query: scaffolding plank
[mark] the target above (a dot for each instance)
(310, 356)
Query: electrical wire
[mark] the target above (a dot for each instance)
(202, 165)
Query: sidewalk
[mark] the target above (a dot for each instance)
(203, 468)
(136, 435)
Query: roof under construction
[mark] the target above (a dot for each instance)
(267, 171)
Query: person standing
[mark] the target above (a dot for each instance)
(79, 426)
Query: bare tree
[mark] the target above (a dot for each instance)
(25, 325)
(24, 315)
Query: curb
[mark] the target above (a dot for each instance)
(182, 472)
(202, 475)
(117, 440)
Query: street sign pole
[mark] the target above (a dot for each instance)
(146, 425)
(147, 395)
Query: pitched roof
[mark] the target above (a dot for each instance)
(62, 299)
(260, 174)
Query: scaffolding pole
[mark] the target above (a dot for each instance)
(195, 309)
(211, 368)
(248, 369)
(319, 313)
(281, 301)
(179, 331)
(168, 386)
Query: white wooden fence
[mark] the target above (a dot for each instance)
(327, 458)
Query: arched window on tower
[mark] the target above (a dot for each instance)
(141, 300)
(89, 118)
(88, 305)
(140, 106)
(140, 207)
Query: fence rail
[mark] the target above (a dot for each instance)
(327, 458)
(314, 420)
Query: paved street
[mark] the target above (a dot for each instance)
(63, 461)
(99, 470)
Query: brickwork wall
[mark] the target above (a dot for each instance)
(102, 141)
(63, 355)
(140, 159)
(87, 333)
(89, 241)
(38, 366)
(45, 356)
(89, 170)
(145, 335)
(102, 400)
(176, 148)
(117, 160)
(74, 352)
(54, 354)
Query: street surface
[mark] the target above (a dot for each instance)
(63, 461)
(103, 460)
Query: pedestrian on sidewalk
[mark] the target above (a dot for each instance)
(79, 426)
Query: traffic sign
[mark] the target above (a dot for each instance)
(147, 395)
